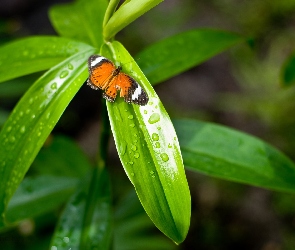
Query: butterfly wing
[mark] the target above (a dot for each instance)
(131, 90)
(100, 72)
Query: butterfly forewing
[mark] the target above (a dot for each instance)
(100, 70)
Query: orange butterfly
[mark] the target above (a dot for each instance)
(105, 75)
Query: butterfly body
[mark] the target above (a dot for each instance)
(103, 74)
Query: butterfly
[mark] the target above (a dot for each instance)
(103, 74)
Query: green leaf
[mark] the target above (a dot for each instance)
(33, 119)
(228, 154)
(62, 157)
(183, 51)
(34, 54)
(81, 20)
(288, 71)
(37, 195)
(86, 220)
(126, 14)
(150, 154)
(3, 117)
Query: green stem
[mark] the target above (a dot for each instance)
(110, 11)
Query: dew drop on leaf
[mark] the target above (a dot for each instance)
(132, 125)
(63, 74)
(154, 118)
(70, 66)
(155, 137)
(164, 157)
(157, 145)
(130, 117)
(133, 147)
(131, 162)
(23, 129)
(136, 155)
(53, 85)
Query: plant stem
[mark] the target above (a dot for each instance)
(110, 11)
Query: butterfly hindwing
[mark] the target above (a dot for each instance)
(131, 90)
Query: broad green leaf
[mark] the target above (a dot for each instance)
(150, 154)
(228, 154)
(126, 14)
(37, 195)
(33, 54)
(183, 51)
(61, 156)
(33, 119)
(81, 20)
(86, 219)
(288, 71)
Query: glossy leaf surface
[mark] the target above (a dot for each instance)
(33, 54)
(228, 154)
(81, 20)
(33, 119)
(183, 51)
(149, 151)
(86, 220)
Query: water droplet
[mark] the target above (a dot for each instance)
(169, 145)
(70, 66)
(136, 155)
(23, 129)
(145, 111)
(164, 157)
(174, 138)
(154, 118)
(132, 125)
(53, 85)
(9, 129)
(133, 147)
(39, 134)
(28, 111)
(126, 110)
(130, 117)
(157, 145)
(151, 103)
(25, 53)
(66, 239)
(156, 106)
(159, 128)
(131, 162)
(53, 248)
(31, 100)
(132, 174)
(12, 139)
(63, 74)
(152, 172)
(155, 137)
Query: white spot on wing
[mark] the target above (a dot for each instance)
(136, 93)
(96, 61)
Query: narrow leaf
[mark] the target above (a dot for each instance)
(33, 119)
(81, 20)
(126, 14)
(37, 195)
(29, 55)
(288, 71)
(228, 154)
(183, 51)
(72, 229)
(150, 154)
